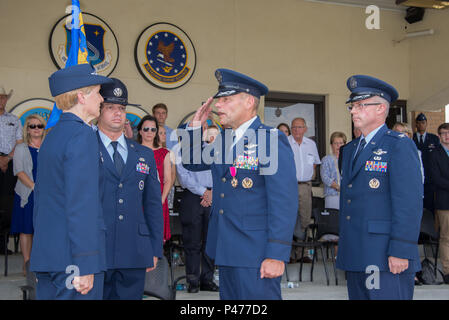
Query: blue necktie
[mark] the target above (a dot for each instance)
(359, 150)
(118, 160)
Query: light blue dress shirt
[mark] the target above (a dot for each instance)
(122, 147)
(170, 143)
(418, 136)
(196, 182)
(368, 137)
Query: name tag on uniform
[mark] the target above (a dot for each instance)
(246, 162)
(377, 166)
(143, 168)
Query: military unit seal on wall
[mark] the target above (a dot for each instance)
(165, 56)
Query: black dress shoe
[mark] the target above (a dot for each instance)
(305, 259)
(209, 286)
(417, 282)
(3, 252)
(192, 288)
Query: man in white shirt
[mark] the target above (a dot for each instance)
(306, 159)
(10, 136)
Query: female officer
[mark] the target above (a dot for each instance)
(68, 253)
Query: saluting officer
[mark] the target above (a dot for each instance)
(131, 201)
(255, 199)
(380, 200)
(68, 253)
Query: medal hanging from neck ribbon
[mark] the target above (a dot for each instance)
(234, 181)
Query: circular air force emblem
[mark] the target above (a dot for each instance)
(353, 83)
(374, 183)
(218, 76)
(165, 56)
(102, 45)
(141, 185)
(40, 106)
(118, 92)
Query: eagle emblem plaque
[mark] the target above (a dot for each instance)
(165, 56)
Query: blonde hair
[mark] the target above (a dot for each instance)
(26, 135)
(338, 134)
(406, 126)
(68, 99)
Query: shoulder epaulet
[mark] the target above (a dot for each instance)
(396, 134)
(134, 144)
(264, 126)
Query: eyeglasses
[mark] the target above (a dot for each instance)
(34, 126)
(359, 106)
(148, 128)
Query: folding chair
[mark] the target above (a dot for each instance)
(428, 236)
(326, 223)
(310, 243)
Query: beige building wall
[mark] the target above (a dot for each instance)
(291, 45)
(429, 63)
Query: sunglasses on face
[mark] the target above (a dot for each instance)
(148, 128)
(34, 126)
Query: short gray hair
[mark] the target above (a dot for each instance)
(300, 118)
(385, 102)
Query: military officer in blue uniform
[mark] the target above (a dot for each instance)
(255, 200)
(426, 142)
(380, 199)
(68, 254)
(131, 201)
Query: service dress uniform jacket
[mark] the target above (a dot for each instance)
(255, 219)
(132, 208)
(431, 141)
(68, 217)
(380, 203)
(439, 173)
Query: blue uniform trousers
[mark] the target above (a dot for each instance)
(124, 284)
(52, 286)
(237, 283)
(391, 286)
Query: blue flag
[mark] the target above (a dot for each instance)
(78, 53)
